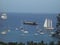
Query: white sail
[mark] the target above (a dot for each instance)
(51, 23)
(48, 24)
(45, 24)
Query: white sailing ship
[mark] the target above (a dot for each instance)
(48, 24)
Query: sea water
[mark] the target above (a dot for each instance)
(14, 22)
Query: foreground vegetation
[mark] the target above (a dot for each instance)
(30, 43)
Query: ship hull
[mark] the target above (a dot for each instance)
(30, 23)
(49, 28)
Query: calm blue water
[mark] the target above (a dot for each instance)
(16, 20)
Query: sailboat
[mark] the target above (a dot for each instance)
(48, 24)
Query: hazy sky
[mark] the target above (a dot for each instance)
(30, 6)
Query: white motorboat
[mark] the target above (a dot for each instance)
(4, 32)
(26, 32)
(4, 16)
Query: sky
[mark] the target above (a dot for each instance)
(30, 6)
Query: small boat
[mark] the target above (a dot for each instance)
(21, 27)
(41, 33)
(16, 28)
(4, 16)
(52, 32)
(9, 30)
(22, 30)
(26, 32)
(35, 33)
(4, 32)
(30, 23)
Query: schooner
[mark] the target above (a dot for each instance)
(48, 24)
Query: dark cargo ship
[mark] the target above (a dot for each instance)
(30, 23)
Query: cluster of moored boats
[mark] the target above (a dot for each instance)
(24, 32)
